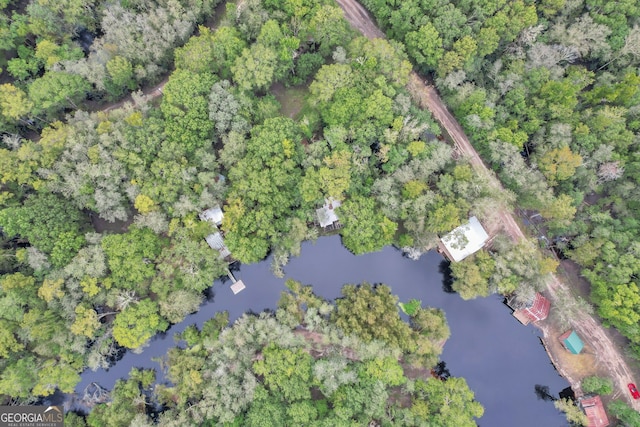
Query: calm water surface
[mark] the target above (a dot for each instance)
(501, 359)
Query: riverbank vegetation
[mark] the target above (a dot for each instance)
(299, 366)
(102, 246)
(548, 93)
(551, 101)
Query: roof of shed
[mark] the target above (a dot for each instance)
(572, 341)
(215, 241)
(326, 214)
(539, 309)
(213, 214)
(594, 409)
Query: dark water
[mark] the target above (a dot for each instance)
(502, 360)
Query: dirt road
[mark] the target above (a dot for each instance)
(150, 93)
(590, 329)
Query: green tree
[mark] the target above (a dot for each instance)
(186, 263)
(387, 369)
(137, 323)
(444, 218)
(57, 90)
(425, 46)
(372, 313)
(559, 164)
(14, 103)
(255, 69)
(365, 228)
(185, 106)
(597, 385)
(266, 410)
(227, 46)
(286, 372)
(180, 303)
(121, 76)
(560, 209)
(472, 275)
(446, 403)
(8, 341)
(264, 189)
(50, 223)
(19, 377)
(128, 398)
(329, 28)
(624, 413)
(131, 257)
(86, 322)
(574, 415)
(56, 375)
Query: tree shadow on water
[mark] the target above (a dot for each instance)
(447, 280)
(543, 393)
(440, 371)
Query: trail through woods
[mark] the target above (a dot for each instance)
(607, 354)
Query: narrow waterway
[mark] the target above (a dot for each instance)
(502, 360)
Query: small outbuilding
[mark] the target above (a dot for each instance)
(572, 342)
(594, 409)
(327, 217)
(535, 310)
(216, 242)
(213, 215)
(465, 240)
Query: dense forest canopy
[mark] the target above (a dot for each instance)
(101, 242)
(102, 247)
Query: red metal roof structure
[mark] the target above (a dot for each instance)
(539, 310)
(593, 407)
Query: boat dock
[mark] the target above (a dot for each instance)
(238, 285)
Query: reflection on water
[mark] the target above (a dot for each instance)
(543, 393)
(501, 360)
(444, 268)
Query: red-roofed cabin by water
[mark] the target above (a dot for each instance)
(539, 310)
(536, 310)
(593, 407)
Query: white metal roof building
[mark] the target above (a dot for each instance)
(465, 240)
(213, 215)
(326, 214)
(216, 242)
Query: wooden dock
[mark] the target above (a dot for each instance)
(238, 285)
(521, 316)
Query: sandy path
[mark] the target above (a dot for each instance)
(590, 329)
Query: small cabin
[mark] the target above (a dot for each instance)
(465, 240)
(572, 342)
(213, 215)
(535, 310)
(594, 409)
(216, 242)
(327, 217)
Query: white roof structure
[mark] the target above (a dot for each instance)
(465, 240)
(326, 214)
(213, 215)
(216, 242)
(237, 286)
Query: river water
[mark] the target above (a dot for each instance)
(501, 359)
